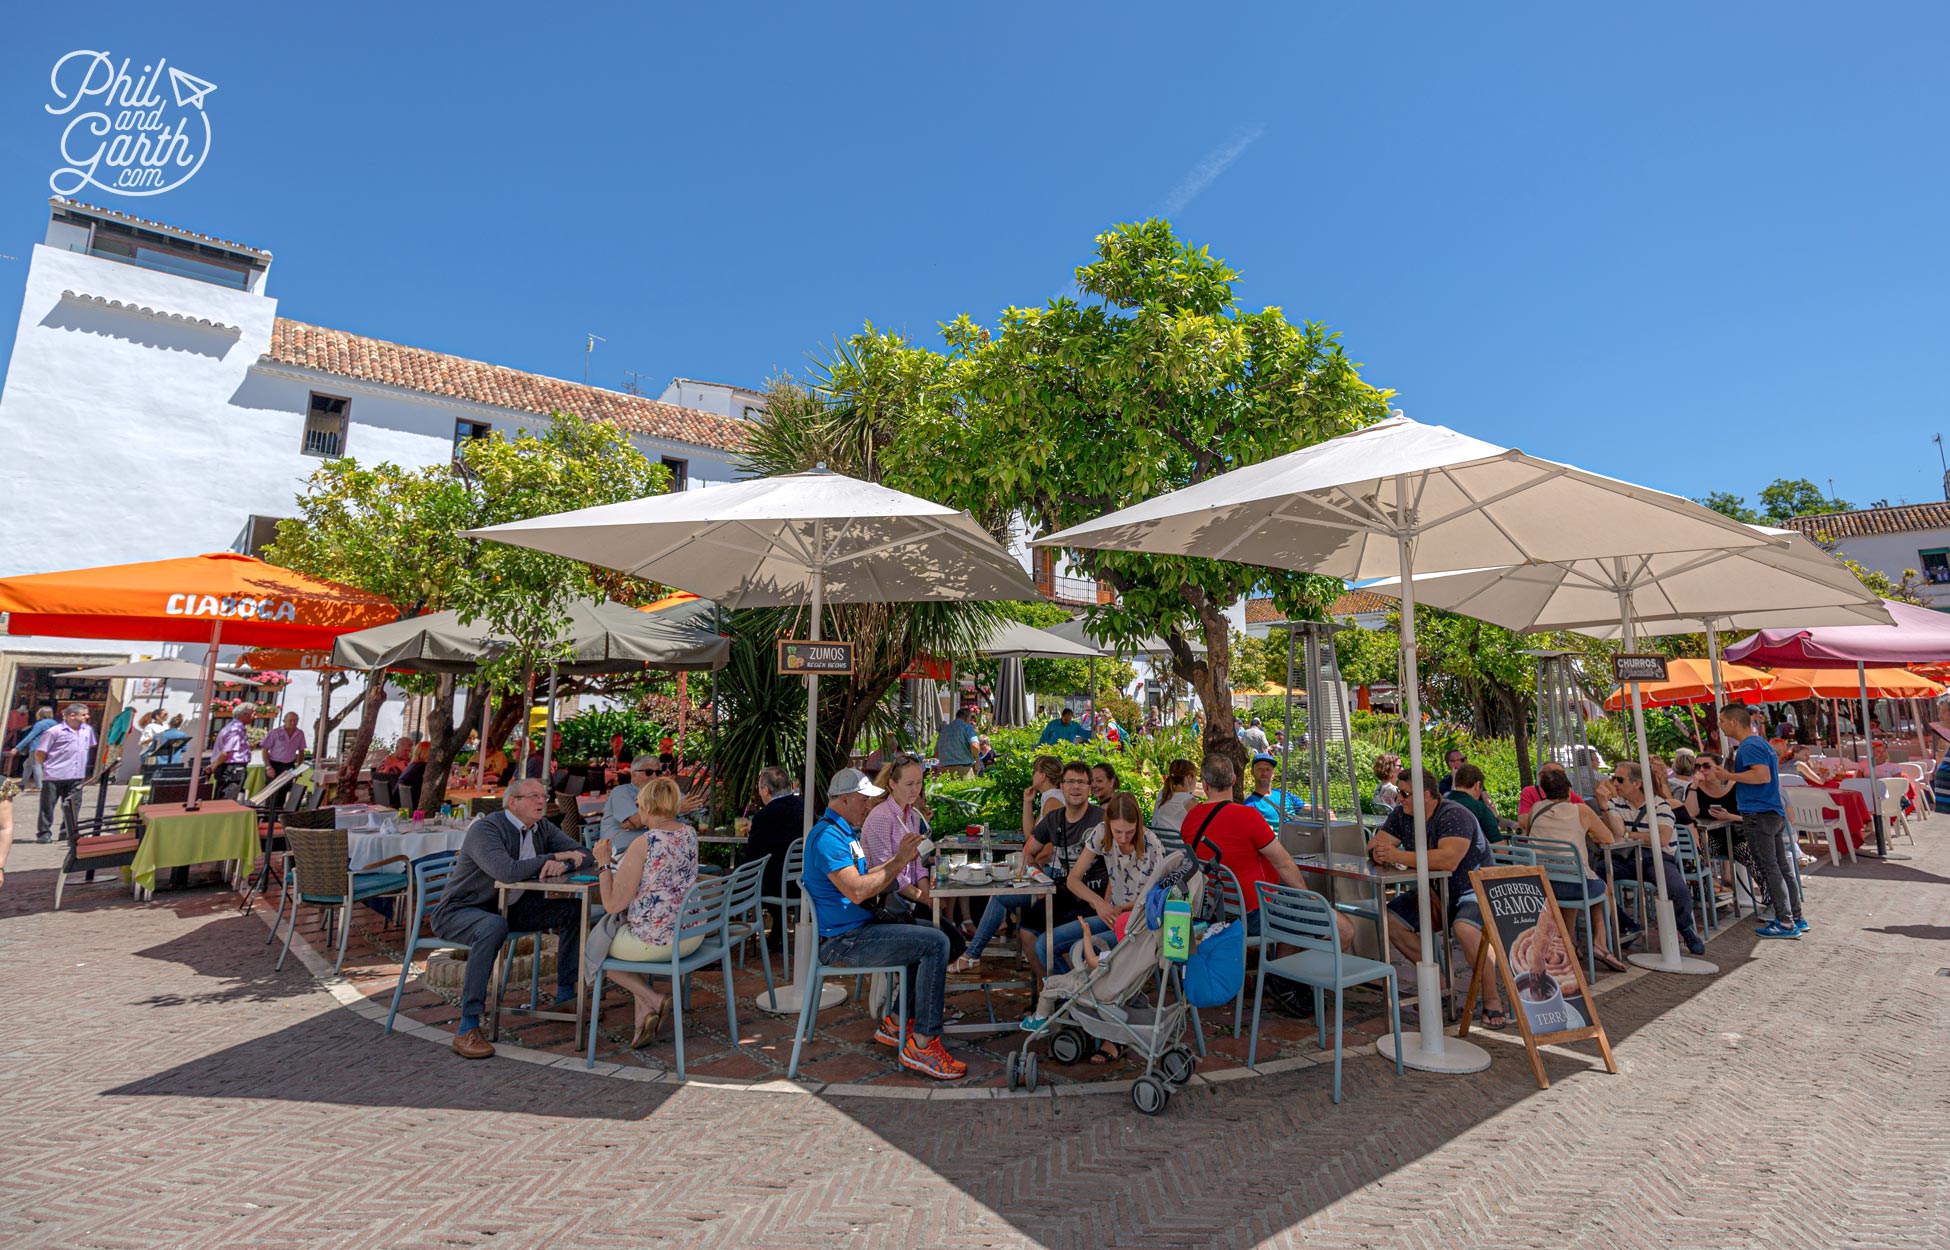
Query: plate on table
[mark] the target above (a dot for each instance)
(970, 874)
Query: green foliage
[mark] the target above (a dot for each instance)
(586, 736)
(763, 714)
(1060, 678)
(1730, 505)
(1369, 657)
(1781, 500)
(1155, 380)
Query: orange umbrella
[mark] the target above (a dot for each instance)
(263, 660)
(1840, 683)
(188, 600)
(1691, 681)
(194, 599)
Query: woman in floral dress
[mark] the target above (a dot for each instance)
(648, 886)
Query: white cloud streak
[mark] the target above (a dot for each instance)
(1207, 171)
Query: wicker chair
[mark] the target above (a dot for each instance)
(313, 818)
(319, 873)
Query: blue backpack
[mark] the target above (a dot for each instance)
(1217, 968)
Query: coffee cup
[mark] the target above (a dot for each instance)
(1543, 1002)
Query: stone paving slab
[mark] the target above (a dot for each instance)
(161, 1085)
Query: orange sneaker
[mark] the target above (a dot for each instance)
(889, 1032)
(934, 1061)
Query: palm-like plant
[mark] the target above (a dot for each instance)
(853, 409)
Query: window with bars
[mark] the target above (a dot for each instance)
(325, 426)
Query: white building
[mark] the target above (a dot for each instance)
(720, 397)
(156, 405)
(1911, 537)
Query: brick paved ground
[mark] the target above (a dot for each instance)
(162, 1086)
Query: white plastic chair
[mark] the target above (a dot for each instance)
(1919, 777)
(1789, 780)
(1893, 816)
(1809, 812)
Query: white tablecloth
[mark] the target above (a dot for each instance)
(363, 849)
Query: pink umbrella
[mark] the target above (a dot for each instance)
(1919, 636)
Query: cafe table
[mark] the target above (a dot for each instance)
(1037, 886)
(568, 887)
(1378, 877)
(365, 847)
(218, 831)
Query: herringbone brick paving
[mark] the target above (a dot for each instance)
(159, 1085)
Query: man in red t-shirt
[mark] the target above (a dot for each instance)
(1244, 841)
(1530, 796)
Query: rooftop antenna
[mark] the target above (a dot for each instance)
(1938, 440)
(589, 351)
(635, 384)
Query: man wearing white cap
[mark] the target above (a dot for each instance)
(845, 893)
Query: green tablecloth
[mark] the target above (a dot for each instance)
(253, 779)
(216, 833)
(133, 797)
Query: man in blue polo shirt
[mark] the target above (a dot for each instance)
(1263, 798)
(844, 891)
(1756, 774)
(1063, 729)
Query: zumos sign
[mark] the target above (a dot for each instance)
(815, 659)
(125, 134)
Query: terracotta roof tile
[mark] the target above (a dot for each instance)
(456, 377)
(1902, 519)
(96, 210)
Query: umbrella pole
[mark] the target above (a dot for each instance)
(203, 726)
(1669, 957)
(1719, 692)
(548, 735)
(790, 999)
(1869, 760)
(1431, 1050)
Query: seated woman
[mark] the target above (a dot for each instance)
(1797, 756)
(648, 886)
(1042, 796)
(413, 774)
(1561, 820)
(1130, 856)
(1388, 772)
(496, 765)
(892, 819)
(1176, 796)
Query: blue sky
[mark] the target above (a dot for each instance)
(1695, 246)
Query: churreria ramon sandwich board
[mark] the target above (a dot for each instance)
(1541, 975)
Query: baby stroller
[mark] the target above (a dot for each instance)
(1097, 1002)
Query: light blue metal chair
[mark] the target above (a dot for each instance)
(703, 916)
(745, 916)
(787, 899)
(1302, 918)
(1235, 909)
(1694, 867)
(1559, 860)
(816, 982)
(431, 876)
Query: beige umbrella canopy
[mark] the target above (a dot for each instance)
(1404, 499)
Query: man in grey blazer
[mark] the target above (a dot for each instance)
(514, 844)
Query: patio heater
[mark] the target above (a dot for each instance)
(1560, 719)
(1330, 746)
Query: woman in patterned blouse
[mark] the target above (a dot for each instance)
(648, 886)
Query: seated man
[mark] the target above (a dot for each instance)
(1456, 847)
(840, 884)
(1055, 845)
(1466, 788)
(1631, 807)
(514, 844)
(1264, 799)
(1239, 838)
(621, 824)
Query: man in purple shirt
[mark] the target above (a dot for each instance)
(232, 754)
(62, 754)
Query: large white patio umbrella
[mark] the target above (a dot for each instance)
(799, 538)
(1613, 597)
(1402, 498)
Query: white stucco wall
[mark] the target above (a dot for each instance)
(1890, 554)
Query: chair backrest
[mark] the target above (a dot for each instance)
(1504, 855)
(747, 883)
(1169, 839)
(431, 877)
(1893, 791)
(1790, 780)
(795, 865)
(320, 858)
(1913, 771)
(705, 909)
(484, 805)
(1808, 809)
(1229, 893)
(1297, 917)
(167, 791)
(382, 791)
(1559, 860)
(111, 825)
(1685, 849)
(574, 785)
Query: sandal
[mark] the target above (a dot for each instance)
(646, 1033)
(1495, 1019)
(1612, 961)
(965, 964)
(1107, 1054)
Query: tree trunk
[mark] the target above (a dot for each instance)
(444, 737)
(1211, 679)
(1520, 730)
(355, 758)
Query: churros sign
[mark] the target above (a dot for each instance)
(129, 131)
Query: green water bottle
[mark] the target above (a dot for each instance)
(1176, 933)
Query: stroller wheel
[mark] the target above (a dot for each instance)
(1178, 1064)
(1029, 1071)
(1150, 1095)
(1067, 1046)
(1012, 1070)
